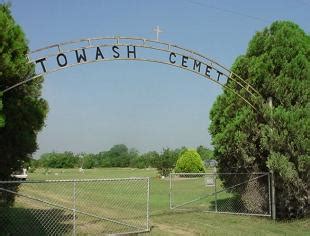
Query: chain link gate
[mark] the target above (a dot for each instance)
(66, 207)
(232, 193)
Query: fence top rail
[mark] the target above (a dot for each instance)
(220, 173)
(75, 180)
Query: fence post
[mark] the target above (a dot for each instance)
(269, 194)
(170, 192)
(215, 193)
(148, 205)
(273, 196)
(74, 207)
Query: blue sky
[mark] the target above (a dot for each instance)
(143, 105)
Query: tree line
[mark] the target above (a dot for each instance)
(118, 156)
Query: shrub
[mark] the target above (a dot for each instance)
(189, 162)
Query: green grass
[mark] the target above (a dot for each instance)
(196, 223)
(163, 220)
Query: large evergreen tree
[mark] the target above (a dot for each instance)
(277, 137)
(23, 108)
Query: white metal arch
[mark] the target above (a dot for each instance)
(80, 51)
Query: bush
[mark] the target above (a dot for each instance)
(189, 162)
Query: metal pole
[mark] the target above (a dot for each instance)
(273, 198)
(269, 193)
(215, 194)
(148, 205)
(170, 192)
(74, 207)
(273, 192)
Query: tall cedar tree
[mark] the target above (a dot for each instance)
(277, 64)
(23, 108)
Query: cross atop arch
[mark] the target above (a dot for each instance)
(157, 31)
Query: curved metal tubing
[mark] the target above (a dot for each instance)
(169, 48)
(130, 59)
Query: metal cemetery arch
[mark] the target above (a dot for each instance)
(68, 54)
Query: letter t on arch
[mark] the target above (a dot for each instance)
(41, 61)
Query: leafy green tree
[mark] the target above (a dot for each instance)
(23, 108)
(59, 160)
(88, 161)
(189, 162)
(103, 160)
(145, 160)
(132, 154)
(166, 162)
(205, 153)
(277, 64)
(179, 151)
(118, 156)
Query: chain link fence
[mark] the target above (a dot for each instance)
(234, 193)
(78, 207)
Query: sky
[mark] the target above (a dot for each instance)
(143, 105)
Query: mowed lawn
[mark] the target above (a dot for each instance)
(167, 222)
